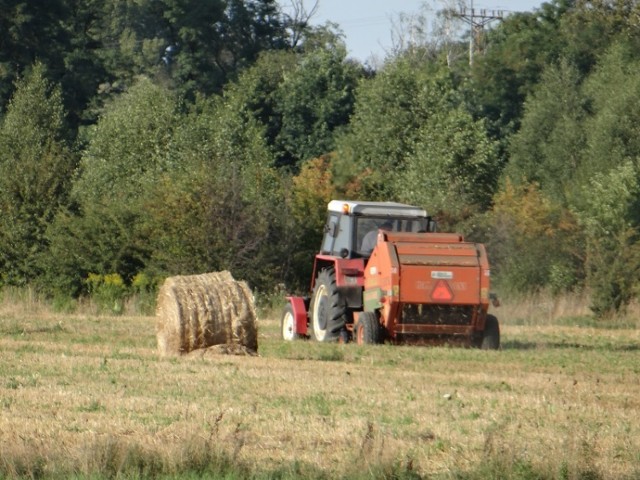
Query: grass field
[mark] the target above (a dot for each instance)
(86, 396)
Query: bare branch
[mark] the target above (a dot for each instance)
(299, 19)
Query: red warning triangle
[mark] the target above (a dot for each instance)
(442, 292)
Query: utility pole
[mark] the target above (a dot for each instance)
(477, 20)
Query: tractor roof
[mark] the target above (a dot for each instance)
(392, 209)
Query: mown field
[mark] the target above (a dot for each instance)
(87, 396)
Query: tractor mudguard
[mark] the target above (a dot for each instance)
(300, 306)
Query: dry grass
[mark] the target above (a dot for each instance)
(542, 308)
(90, 395)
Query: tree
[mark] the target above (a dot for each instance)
(29, 32)
(315, 101)
(518, 50)
(384, 127)
(613, 90)
(224, 209)
(128, 148)
(592, 26)
(208, 42)
(97, 49)
(302, 100)
(534, 242)
(36, 166)
(452, 167)
(610, 219)
(125, 159)
(548, 148)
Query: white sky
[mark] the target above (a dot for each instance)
(368, 24)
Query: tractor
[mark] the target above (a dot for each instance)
(383, 274)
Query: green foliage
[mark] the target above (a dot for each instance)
(105, 240)
(592, 26)
(579, 142)
(223, 209)
(176, 177)
(35, 172)
(520, 48)
(301, 100)
(389, 110)
(548, 147)
(29, 31)
(613, 90)
(107, 291)
(125, 157)
(315, 100)
(412, 139)
(534, 242)
(127, 149)
(452, 167)
(610, 220)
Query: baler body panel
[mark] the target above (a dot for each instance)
(427, 286)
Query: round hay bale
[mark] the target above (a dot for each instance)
(198, 311)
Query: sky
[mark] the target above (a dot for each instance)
(367, 24)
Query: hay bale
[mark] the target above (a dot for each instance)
(198, 311)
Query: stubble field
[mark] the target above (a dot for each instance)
(88, 396)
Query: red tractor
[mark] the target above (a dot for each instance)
(384, 274)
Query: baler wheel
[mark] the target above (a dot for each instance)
(491, 335)
(288, 324)
(368, 329)
(328, 309)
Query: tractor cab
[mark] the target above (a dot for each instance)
(348, 223)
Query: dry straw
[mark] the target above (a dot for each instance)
(199, 311)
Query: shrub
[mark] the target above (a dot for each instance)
(108, 292)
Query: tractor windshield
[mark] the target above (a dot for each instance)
(364, 225)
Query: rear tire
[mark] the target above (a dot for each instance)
(328, 309)
(288, 324)
(491, 334)
(368, 330)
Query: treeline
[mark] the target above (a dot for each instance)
(159, 137)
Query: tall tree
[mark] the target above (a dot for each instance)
(36, 167)
(124, 160)
(453, 167)
(385, 125)
(592, 26)
(548, 148)
(127, 148)
(30, 32)
(224, 209)
(613, 90)
(518, 50)
(303, 99)
(316, 100)
(611, 223)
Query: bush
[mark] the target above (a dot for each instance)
(108, 292)
(145, 289)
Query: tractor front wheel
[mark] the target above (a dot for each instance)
(288, 324)
(368, 329)
(328, 309)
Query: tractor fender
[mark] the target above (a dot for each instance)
(299, 306)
